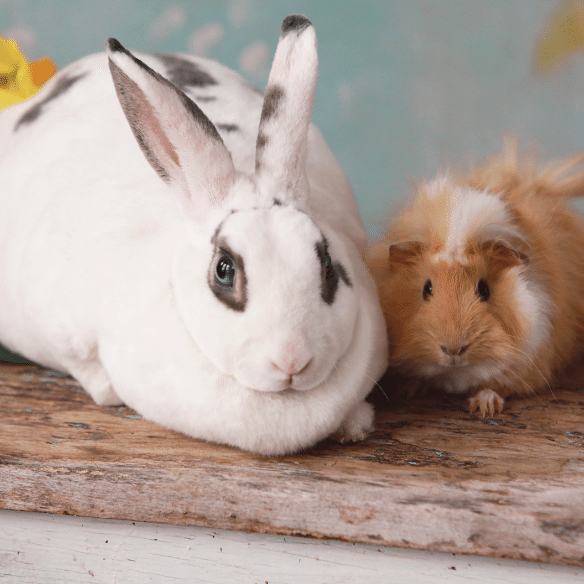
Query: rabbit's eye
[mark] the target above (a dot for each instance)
(225, 271)
(427, 292)
(483, 290)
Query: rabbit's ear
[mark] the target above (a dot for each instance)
(176, 137)
(287, 109)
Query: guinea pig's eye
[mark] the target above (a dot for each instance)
(225, 271)
(427, 292)
(483, 290)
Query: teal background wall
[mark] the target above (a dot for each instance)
(406, 86)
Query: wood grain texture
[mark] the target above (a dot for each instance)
(55, 549)
(430, 477)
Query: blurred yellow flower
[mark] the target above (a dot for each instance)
(563, 35)
(20, 80)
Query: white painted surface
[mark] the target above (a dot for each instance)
(54, 549)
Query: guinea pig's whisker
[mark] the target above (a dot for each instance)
(525, 383)
(529, 386)
(377, 384)
(548, 350)
(526, 355)
(538, 370)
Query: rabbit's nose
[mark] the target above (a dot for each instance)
(292, 366)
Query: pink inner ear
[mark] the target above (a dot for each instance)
(143, 121)
(154, 127)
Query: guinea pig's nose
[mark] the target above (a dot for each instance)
(454, 350)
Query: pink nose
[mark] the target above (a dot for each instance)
(292, 367)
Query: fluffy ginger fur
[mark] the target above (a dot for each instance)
(481, 280)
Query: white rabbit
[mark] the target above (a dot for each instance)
(225, 298)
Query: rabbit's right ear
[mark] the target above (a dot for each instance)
(285, 120)
(176, 137)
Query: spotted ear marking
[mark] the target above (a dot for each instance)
(287, 110)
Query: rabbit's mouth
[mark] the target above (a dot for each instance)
(288, 387)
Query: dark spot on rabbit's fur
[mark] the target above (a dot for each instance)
(205, 99)
(261, 141)
(343, 274)
(260, 145)
(228, 127)
(185, 74)
(115, 45)
(272, 100)
(234, 297)
(61, 85)
(329, 273)
(218, 229)
(277, 202)
(295, 22)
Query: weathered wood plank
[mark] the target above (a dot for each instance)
(430, 477)
(54, 549)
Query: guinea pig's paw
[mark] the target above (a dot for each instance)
(487, 403)
(357, 425)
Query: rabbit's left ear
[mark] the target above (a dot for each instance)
(287, 110)
(176, 137)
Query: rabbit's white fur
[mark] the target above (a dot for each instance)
(107, 269)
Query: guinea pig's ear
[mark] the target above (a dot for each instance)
(501, 256)
(405, 254)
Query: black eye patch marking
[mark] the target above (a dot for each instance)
(186, 74)
(330, 272)
(61, 86)
(226, 276)
(343, 274)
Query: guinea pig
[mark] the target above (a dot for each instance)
(481, 281)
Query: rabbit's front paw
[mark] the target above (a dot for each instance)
(357, 425)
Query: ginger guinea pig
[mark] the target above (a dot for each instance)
(481, 280)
